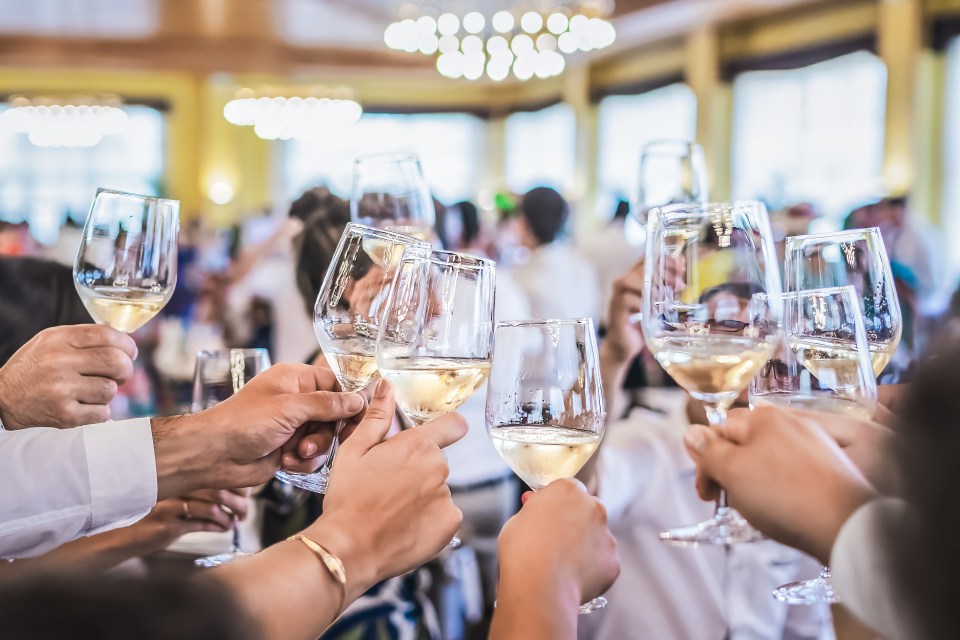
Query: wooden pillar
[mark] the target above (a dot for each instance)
(714, 107)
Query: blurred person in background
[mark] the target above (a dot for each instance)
(557, 280)
(644, 477)
(612, 254)
(909, 242)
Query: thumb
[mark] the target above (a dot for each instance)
(446, 429)
(710, 451)
(376, 422)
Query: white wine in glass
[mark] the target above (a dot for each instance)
(427, 387)
(805, 374)
(711, 317)
(390, 192)
(858, 258)
(126, 266)
(545, 413)
(346, 318)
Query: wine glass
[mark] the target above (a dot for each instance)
(436, 343)
(126, 267)
(671, 172)
(822, 364)
(856, 257)
(545, 411)
(346, 318)
(218, 375)
(711, 318)
(390, 192)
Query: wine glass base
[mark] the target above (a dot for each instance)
(455, 543)
(316, 482)
(725, 528)
(221, 558)
(594, 605)
(807, 592)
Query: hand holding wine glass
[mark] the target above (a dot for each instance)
(349, 310)
(545, 409)
(711, 312)
(126, 267)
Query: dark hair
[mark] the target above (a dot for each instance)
(471, 220)
(622, 210)
(924, 559)
(545, 212)
(35, 295)
(324, 217)
(104, 607)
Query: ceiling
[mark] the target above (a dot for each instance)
(274, 35)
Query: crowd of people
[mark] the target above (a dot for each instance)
(82, 494)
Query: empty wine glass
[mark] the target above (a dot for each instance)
(856, 257)
(545, 411)
(390, 192)
(822, 364)
(711, 318)
(218, 375)
(126, 267)
(349, 310)
(671, 172)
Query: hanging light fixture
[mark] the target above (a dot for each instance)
(277, 114)
(76, 121)
(529, 39)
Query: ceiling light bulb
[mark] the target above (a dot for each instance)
(449, 43)
(471, 44)
(557, 23)
(521, 44)
(567, 42)
(502, 21)
(473, 22)
(531, 22)
(448, 24)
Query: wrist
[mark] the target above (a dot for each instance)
(340, 539)
(187, 457)
(841, 511)
(536, 600)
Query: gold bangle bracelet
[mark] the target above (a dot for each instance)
(332, 563)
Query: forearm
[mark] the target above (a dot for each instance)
(288, 591)
(535, 607)
(183, 456)
(85, 555)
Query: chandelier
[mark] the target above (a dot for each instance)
(527, 40)
(78, 121)
(274, 116)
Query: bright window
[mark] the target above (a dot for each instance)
(44, 185)
(541, 149)
(450, 147)
(627, 123)
(951, 164)
(813, 134)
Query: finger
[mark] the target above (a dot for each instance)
(376, 423)
(235, 504)
(193, 526)
(321, 362)
(92, 336)
(106, 362)
(737, 427)
(329, 406)
(88, 413)
(526, 496)
(714, 454)
(95, 390)
(446, 429)
(296, 464)
(707, 489)
(315, 444)
(886, 417)
(201, 510)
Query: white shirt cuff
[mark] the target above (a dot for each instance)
(123, 472)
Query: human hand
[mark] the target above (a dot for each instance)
(783, 472)
(624, 340)
(388, 509)
(65, 377)
(559, 538)
(204, 510)
(239, 442)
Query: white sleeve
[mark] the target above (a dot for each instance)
(862, 573)
(57, 485)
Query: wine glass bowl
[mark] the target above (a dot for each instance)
(671, 172)
(858, 258)
(390, 192)
(711, 317)
(437, 340)
(349, 310)
(126, 267)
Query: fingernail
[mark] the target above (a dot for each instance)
(289, 460)
(353, 402)
(311, 448)
(136, 352)
(694, 439)
(383, 387)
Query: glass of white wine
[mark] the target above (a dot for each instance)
(126, 267)
(347, 315)
(545, 411)
(671, 172)
(858, 258)
(711, 317)
(436, 344)
(390, 192)
(823, 364)
(218, 375)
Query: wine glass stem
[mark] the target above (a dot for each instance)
(236, 536)
(327, 465)
(717, 416)
(825, 574)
